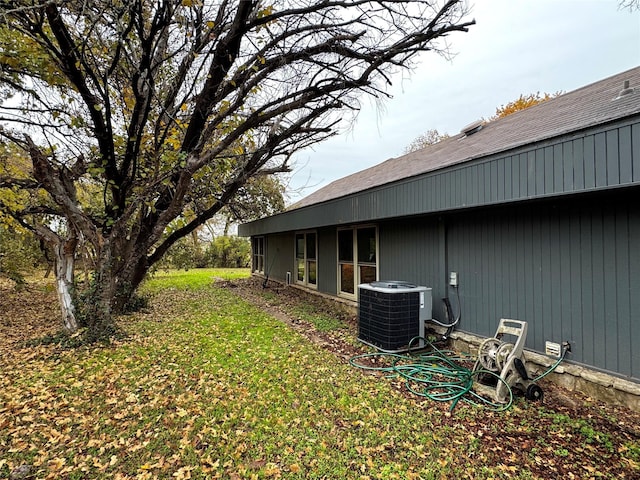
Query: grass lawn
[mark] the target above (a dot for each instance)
(208, 385)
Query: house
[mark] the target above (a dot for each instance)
(538, 213)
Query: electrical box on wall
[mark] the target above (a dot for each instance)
(453, 279)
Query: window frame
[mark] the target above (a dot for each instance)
(356, 262)
(258, 254)
(306, 259)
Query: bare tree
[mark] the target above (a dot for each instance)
(430, 137)
(133, 111)
(631, 5)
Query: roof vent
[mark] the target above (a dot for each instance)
(626, 90)
(472, 128)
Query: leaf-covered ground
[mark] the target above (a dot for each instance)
(224, 379)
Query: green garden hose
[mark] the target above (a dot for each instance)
(565, 350)
(438, 375)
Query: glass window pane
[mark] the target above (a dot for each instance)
(311, 267)
(346, 278)
(367, 274)
(345, 245)
(300, 264)
(311, 245)
(258, 245)
(258, 254)
(300, 245)
(367, 245)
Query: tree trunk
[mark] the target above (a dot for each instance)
(64, 252)
(127, 280)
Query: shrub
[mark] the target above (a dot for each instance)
(229, 252)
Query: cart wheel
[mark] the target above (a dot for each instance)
(534, 393)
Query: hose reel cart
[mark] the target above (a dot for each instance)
(506, 360)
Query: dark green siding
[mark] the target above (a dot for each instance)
(412, 252)
(327, 255)
(279, 256)
(571, 271)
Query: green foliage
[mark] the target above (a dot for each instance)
(261, 196)
(223, 252)
(183, 254)
(229, 252)
(95, 322)
(136, 303)
(19, 254)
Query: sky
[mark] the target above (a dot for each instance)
(516, 47)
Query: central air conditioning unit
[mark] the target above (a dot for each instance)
(392, 313)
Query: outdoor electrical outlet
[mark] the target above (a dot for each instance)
(453, 279)
(552, 349)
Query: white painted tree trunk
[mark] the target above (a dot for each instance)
(64, 263)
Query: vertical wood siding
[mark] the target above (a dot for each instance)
(412, 252)
(590, 161)
(327, 261)
(572, 272)
(279, 256)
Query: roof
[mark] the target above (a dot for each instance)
(592, 105)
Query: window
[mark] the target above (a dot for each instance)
(357, 258)
(345, 261)
(306, 255)
(366, 239)
(258, 254)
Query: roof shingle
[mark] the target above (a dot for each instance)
(591, 105)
